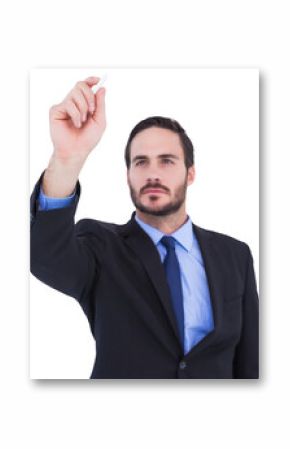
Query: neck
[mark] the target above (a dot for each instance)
(166, 224)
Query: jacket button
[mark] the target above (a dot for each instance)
(182, 364)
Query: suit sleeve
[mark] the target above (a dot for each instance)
(61, 255)
(246, 361)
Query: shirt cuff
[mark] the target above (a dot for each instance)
(47, 202)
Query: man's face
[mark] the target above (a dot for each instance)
(157, 176)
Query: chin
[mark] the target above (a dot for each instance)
(155, 204)
(158, 210)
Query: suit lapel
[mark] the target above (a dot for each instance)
(146, 251)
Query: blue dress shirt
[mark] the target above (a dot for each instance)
(198, 314)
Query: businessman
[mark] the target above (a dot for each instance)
(165, 298)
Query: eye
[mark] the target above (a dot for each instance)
(140, 162)
(167, 161)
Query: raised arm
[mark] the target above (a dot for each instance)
(63, 255)
(76, 126)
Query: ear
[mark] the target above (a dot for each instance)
(190, 175)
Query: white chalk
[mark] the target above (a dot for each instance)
(96, 87)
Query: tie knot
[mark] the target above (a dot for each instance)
(168, 242)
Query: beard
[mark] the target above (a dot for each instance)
(169, 208)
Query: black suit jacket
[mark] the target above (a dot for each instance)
(116, 275)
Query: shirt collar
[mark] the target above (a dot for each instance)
(184, 235)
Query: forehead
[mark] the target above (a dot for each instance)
(153, 141)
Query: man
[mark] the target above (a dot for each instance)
(164, 298)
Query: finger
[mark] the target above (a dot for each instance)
(73, 112)
(100, 112)
(80, 101)
(92, 80)
(88, 94)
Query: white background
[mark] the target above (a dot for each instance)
(219, 108)
(145, 414)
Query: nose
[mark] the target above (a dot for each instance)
(152, 179)
(153, 174)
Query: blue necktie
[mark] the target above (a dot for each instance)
(172, 270)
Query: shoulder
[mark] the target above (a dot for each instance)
(97, 228)
(221, 241)
(102, 230)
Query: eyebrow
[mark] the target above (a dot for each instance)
(160, 156)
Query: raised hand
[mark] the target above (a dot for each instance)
(78, 122)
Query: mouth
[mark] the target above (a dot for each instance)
(153, 191)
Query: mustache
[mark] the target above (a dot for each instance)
(154, 186)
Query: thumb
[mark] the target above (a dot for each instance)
(100, 108)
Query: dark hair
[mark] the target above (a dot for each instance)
(167, 123)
